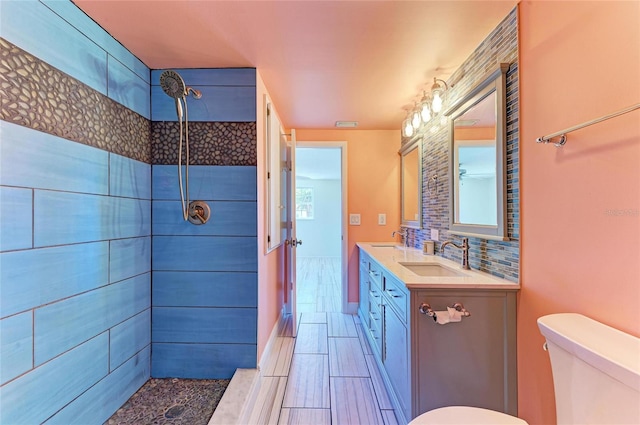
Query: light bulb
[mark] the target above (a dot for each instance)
(407, 128)
(425, 112)
(437, 102)
(416, 119)
(437, 94)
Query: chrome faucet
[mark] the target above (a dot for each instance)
(465, 251)
(404, 233)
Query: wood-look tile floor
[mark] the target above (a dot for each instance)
(327, 374)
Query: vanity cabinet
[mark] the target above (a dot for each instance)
(425, 365)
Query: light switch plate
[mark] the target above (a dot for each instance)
(435, 235)
(354, 219)
(382, 219)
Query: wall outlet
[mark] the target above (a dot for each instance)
(435, 236)
(354, 219)
(382, 219)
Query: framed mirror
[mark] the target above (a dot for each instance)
(477, 189)
(411, 179)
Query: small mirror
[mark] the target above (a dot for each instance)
(478, 137)
(411, 185)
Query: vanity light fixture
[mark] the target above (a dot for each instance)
(437, 94)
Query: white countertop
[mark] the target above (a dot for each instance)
(389, 255)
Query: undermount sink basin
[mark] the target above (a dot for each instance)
(431, 269)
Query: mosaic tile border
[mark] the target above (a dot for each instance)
(500, 259)
(210, 143)
(38, 96)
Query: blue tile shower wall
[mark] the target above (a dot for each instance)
(75, 238)
(204, 314)
(75, 277)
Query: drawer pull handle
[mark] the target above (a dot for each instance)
(391, 292)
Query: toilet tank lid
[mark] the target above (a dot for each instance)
(605, 348)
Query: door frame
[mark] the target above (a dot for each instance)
(344, 251)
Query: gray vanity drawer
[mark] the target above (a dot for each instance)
(397, 294)
(375, 273)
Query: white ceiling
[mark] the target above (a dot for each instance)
(322, 61)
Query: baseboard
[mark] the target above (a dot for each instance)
(352, 308)
(264, 358)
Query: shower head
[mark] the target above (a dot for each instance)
(173, 84)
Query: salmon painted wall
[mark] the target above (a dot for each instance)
(580, 203)
(373, 179)
(270, 266)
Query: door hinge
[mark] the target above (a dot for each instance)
(268, 238)
(268, 175)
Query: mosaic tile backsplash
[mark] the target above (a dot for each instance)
(211, 143)
(36, 95)
(495, 257)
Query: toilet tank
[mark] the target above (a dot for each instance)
(596, 370)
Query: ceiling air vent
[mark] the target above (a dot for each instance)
(346, 124)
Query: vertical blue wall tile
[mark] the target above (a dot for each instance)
(219, 253)
(67, 323)
(31, 158)
(42, 392)
(201, 361)
(204, 325)
(16, 215)
(129, 257)
(219, 183)
(129, 337)
(64, 218)
(16, 346)
(99, 402)
(129, 178)
(205, 289)
(128, 89)
(227, 219)
(35, 277)
(37, 29)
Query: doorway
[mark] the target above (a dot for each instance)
(321, 265)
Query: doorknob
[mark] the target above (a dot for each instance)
(293, 242)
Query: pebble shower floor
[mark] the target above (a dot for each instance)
(171, 402)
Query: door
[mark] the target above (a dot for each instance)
(291, 242)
